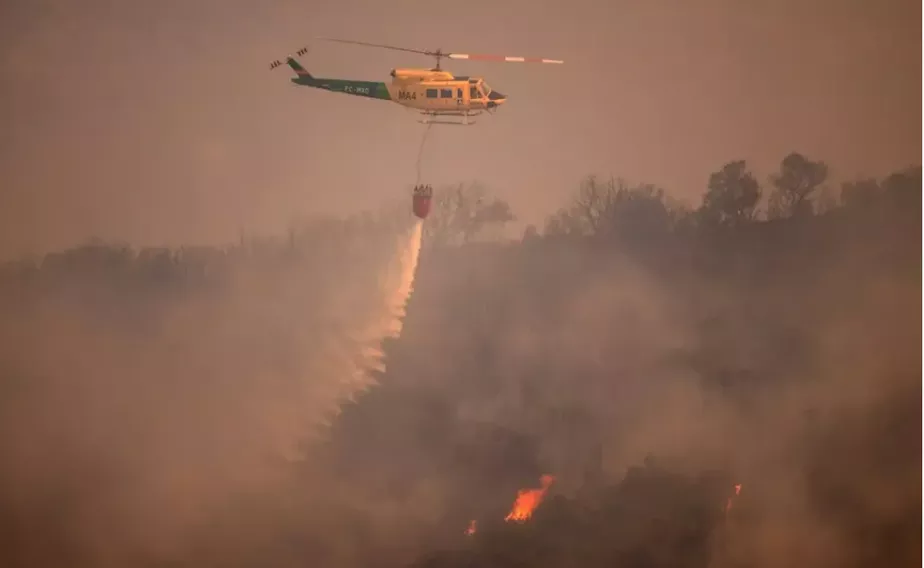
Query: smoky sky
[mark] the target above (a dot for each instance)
(159, 123)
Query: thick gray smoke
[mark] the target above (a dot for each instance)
(166, 408)
(138, 406)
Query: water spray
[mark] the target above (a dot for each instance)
(398, 286)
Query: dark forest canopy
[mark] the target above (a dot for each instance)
(180, 407)
(599, 208)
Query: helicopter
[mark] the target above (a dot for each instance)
(436, 94)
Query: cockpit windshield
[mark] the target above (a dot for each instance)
(479, 89)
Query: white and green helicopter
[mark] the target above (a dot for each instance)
(438, 95)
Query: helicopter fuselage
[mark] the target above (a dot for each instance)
(427, 90)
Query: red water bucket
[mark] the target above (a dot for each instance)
(423, 194)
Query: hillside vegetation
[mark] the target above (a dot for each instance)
(194, 407)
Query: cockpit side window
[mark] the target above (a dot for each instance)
(473, 93)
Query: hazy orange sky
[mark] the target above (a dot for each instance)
(158, 121)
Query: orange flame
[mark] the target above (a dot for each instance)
(528, 500)
(472, 527)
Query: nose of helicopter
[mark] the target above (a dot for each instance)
(495, 99)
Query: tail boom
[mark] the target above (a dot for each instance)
(368, 89)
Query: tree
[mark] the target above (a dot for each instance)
(732, 197)
(641, 211)
(461, 213)
(613, 209)
(564, 222)
(862, 193)
(903, 188)
(797, 179)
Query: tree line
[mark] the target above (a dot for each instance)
(734, 197)
(614, 207)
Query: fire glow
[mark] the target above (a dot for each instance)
(528, 500)
(728, 504)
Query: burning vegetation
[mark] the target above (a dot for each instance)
(528, 500)
(652, 517)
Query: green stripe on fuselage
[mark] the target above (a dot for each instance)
(370, 89)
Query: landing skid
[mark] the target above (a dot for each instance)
(448, 122)
(439, 118)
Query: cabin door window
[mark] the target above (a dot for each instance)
(445, 98)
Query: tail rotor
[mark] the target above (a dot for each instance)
(298, 53)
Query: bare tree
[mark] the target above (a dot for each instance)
(564, 222)
(612, 208)
(461, 213)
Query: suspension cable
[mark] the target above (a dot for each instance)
(420, 151)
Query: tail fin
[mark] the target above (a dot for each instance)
(295, 65)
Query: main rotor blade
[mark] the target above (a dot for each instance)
(422, 51)
(504, 58)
